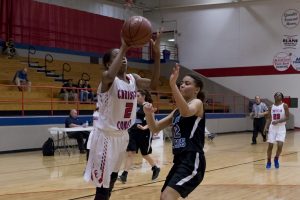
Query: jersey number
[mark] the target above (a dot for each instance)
(128, 110)
(276, 116)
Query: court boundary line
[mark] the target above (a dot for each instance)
(208, 171)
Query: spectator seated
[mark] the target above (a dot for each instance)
(21, 80)
(68, 91)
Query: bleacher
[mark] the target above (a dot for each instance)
(44, 98)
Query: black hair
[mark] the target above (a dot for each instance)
(199, 83)
(79, 82)
(201, 96)
(279, 93)
(107, 58)
(147, 95)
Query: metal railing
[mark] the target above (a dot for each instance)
(47, 98)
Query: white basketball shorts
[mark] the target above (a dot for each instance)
(107, 152)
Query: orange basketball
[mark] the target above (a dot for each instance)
(137, 31)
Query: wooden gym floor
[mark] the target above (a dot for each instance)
(235, 171)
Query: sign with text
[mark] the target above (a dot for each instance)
(282, 61)
(290, 41)
(290, 18)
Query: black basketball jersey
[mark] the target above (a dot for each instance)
(140, 119)
(188, 133)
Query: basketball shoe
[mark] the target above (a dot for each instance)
(276, 163)
(268, 165)
(155, 172)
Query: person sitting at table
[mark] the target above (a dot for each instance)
(73, 121)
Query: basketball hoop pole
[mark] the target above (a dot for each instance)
(128, 4)
(127, 8)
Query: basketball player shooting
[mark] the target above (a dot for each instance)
(117, 103)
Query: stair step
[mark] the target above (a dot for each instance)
(44, 70)
(31, 63)
(51, 74)
(36, 66)
(59, 79)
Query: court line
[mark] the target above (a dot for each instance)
(25, 170)
(212, 170)
(150, 183)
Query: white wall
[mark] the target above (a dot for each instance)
(265, 86)
(24, 137)
(236, 35)
(245, 34)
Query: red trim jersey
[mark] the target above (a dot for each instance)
(278, 112)
(117, 106)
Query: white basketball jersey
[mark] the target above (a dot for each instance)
(278, 112)
(117, 106)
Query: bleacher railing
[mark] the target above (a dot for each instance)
(47, 98)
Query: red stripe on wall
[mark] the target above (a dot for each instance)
(245, 71)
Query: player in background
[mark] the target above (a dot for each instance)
(140, 138)
(275, 126)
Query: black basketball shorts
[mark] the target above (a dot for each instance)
(187, 173)
(140, 140)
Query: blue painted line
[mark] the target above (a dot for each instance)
(38, 120)
(48, 120)
(211, 115)
(58, 50)
(224, 115)
(78, 53)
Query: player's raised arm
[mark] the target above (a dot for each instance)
(113, 62)
(152, 83)
(153, 125)
(186, 107)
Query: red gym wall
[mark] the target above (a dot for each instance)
(35, 23)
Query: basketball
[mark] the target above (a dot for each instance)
(137, 31)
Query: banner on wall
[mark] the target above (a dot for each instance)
(296, 62)
(292, 102)
(290, 18)
(290, 41)
(282, 61)
(287, 100)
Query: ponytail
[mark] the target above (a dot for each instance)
(147, 95)
(201, 96)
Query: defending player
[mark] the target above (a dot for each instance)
(188, 124)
